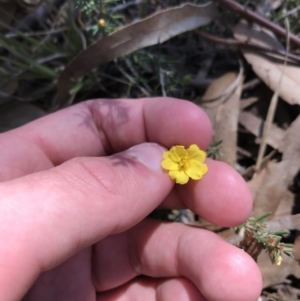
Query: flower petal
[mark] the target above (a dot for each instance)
(172, 154)
(169, 164)
(279, 260)
(178, 152)
(166, 155)
(196, 170)
(194, 152)
(179, 176)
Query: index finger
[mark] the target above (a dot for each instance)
(101, 127)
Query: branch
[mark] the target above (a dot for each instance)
(248, 46)
(256, 18)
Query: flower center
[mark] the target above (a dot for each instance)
(183, 163)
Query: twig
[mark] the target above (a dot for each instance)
(246, 46)
(38, 15)
(292, 11)
(251, 84)
(124, 6)
(272, 107)
(75, 27)
(244, 152)
(137, 75)
(270, 297)
(248, 173)
(256, 18)
(132, 80)
(37, 33)
(118, 80)
(228, 91)
(162, 82)
(51, 57)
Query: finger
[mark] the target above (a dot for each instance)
(101, 127)
(175, 250)
(179, 289)
(47, 217)
(221, 196)
(71, 280)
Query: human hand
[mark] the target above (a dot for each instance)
(74, 199)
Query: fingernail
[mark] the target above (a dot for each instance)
(149, 154)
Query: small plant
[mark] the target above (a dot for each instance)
(257, 238)
(88, 6)
(214, 150)
(95, 11)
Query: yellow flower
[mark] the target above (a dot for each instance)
(101, 23)
(279, 260)
(183, 164)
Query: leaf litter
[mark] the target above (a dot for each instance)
(270, 184)
(236, 112)
(153, 30)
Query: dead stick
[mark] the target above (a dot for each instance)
(246, 46)
(256, 18)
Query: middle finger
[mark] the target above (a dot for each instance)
(221, 196)
(173, 250)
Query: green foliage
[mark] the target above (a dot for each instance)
(35, 59)
(214, 151)
(290, 10)
(88, 6)
(257, 238)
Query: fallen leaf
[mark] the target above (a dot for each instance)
(257, 179)
(296, 249)
(153, 30)
(288, 222)
(273, 274)
(254, 125)
(31, 2)
(274, 193)
(247, 102)
(290, 143)
(223, 110)
(273, 189)
(267, 69)
(266, 6)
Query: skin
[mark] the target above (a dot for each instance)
(74, 200)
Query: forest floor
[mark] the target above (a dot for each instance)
(238, 60)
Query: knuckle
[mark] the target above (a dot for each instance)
(93, 174)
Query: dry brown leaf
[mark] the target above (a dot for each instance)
(288, 222)
(254, 125)
(274, 190)
(266, 6)
(223, 112)
(285, 205)
(153, 30)
(247, 102)
(290, 144)
(257, 179)
(273, 274)
(265, 67)
(296, 249)
(31, 2)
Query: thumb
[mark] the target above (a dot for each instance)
(47, 217)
